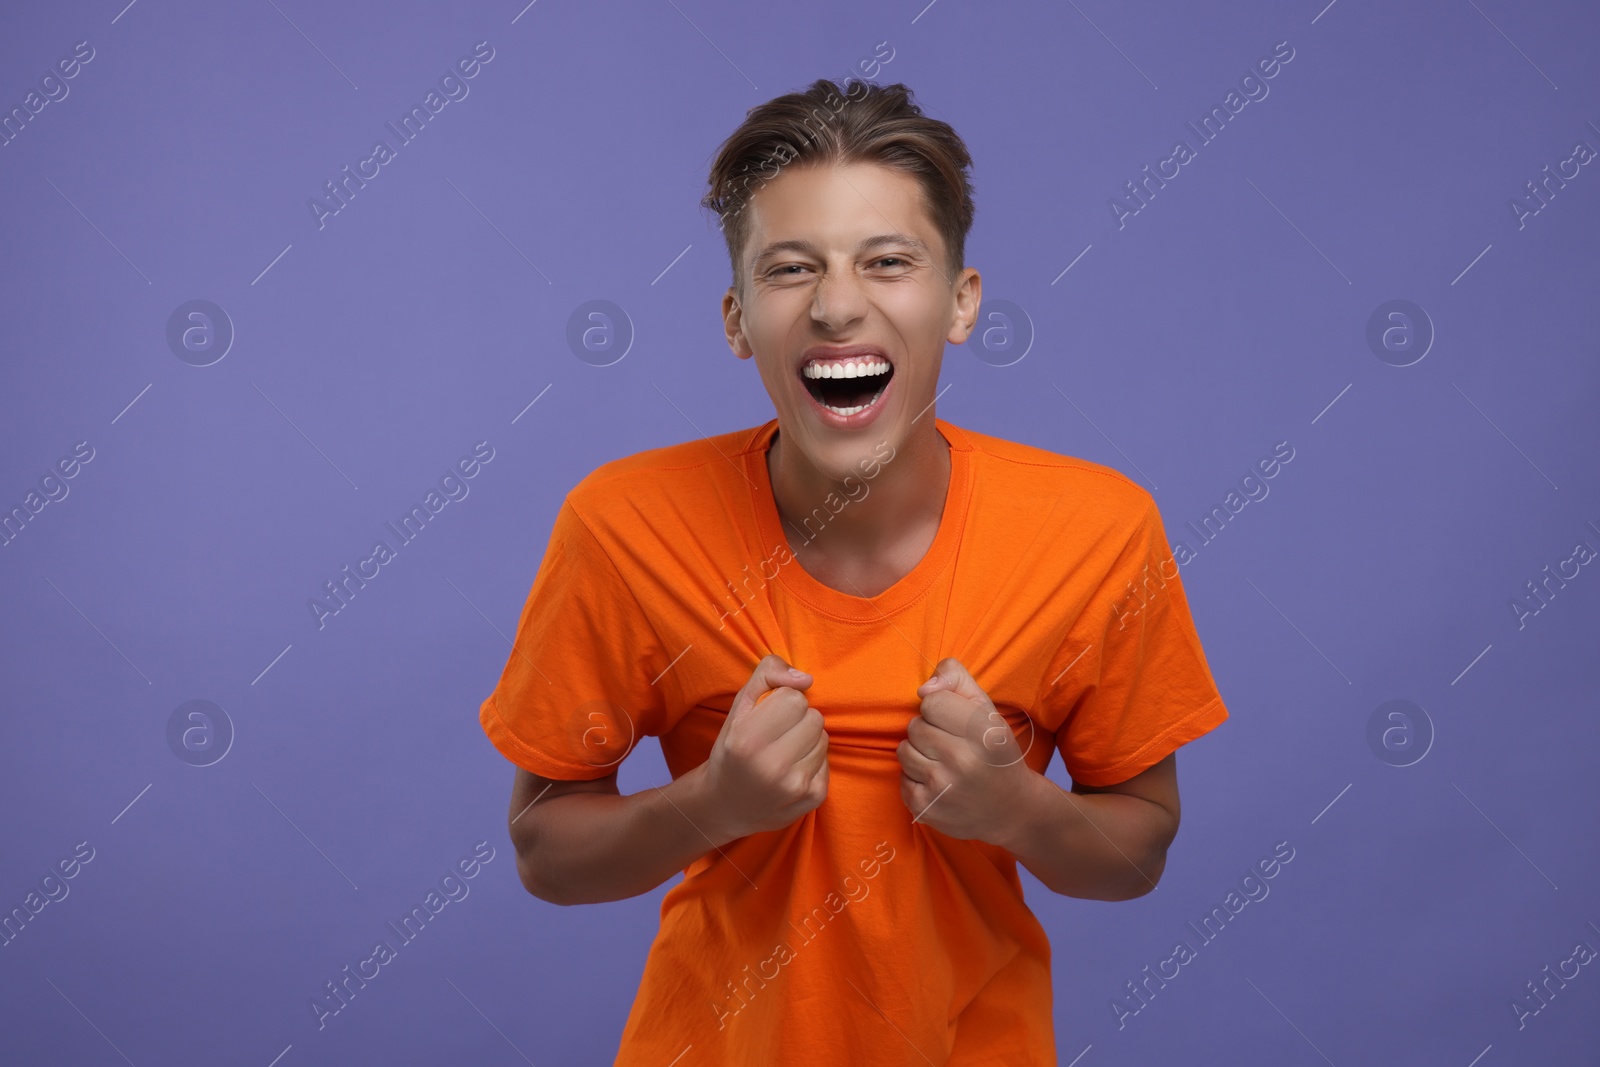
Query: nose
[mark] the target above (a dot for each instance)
(838, 300)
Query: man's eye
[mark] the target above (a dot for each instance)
(897, 259)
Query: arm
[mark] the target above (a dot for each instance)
(1097, 842)
(581, 842)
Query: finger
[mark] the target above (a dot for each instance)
(950, 674)
(951, 713)
(913, 764)
(924, 738)
(771, 673)
(815, 762)
(788, 734)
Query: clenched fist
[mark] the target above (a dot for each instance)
(769, 764)
(961, 769)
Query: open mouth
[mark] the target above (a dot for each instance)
(847, 386)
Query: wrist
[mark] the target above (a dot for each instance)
(693, 794)
(1030, 805)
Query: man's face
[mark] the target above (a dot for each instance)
(848, 304)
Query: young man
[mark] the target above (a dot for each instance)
(859, 632)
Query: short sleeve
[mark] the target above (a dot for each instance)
(577, 692)
(1142, 685)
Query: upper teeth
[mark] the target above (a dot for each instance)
(854, 368)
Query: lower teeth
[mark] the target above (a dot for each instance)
(858, 407)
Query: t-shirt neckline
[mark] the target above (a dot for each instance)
(837, 603)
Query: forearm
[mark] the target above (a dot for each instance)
(587, 848)
(1098, 846)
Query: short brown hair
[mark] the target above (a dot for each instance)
(858, 122)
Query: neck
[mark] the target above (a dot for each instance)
(905, 497)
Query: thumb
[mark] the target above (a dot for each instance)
(771, 673)
(952, 675)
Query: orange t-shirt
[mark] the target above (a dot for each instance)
(853, 935)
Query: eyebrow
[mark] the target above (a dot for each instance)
(867, 244)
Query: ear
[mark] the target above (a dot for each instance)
(733, 325)
(968, 296)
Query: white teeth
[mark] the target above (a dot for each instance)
(857, 407)
(864, 368)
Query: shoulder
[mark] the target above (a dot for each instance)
(1039, 476)
(675, 480)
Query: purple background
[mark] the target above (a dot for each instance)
(370, 354)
